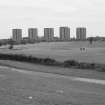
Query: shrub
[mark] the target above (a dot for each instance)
(70, 63)
(101, 68)
(24, 58)
(1, 44)
(11, 47)
(86, 66)
(52, 62)
(49, 61)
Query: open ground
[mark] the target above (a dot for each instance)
(45, 85)
(19, 87)
(61, 51)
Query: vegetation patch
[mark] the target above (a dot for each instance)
(53, 62)
(87, 65)
(70, 63)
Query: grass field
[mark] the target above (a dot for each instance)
(63, 51)
(46, 85)
(37, 88)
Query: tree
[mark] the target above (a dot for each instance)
(91, 40)
(0, 44)
(11, 43)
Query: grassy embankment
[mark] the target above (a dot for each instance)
(53, 62)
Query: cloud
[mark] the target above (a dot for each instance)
(60, 6)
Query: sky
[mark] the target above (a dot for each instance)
(52, 13)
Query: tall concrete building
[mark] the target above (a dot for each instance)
(33, 34)
(17, 35)
(64, 33)
(48, 34)
(81, 33)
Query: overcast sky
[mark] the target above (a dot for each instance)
(52, 13)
